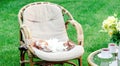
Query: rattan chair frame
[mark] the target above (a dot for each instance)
(25, 34)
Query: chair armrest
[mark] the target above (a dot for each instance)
(25, 38)
(78, 27)
(22, 46)
(25, 32)
(26, 47)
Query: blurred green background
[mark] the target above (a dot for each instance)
(89, 13)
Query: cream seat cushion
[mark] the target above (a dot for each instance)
(45, 21)
(77, 51)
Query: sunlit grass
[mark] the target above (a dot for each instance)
(90, 13)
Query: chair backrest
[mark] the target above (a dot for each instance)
(45, 21)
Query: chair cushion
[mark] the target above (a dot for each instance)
(45, 21)
(77, 51)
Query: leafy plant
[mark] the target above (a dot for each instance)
(111, 25)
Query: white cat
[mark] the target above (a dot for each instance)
(53, 45)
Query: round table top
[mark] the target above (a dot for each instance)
(91, 56)
(94, 60)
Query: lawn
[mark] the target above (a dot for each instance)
(89, 13)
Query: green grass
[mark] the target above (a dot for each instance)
(90, 13)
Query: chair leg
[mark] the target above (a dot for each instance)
(31, 61)
(22, 58)
(80, 61)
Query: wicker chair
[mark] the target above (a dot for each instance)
(44, 20)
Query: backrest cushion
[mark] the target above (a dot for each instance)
(45, 22)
